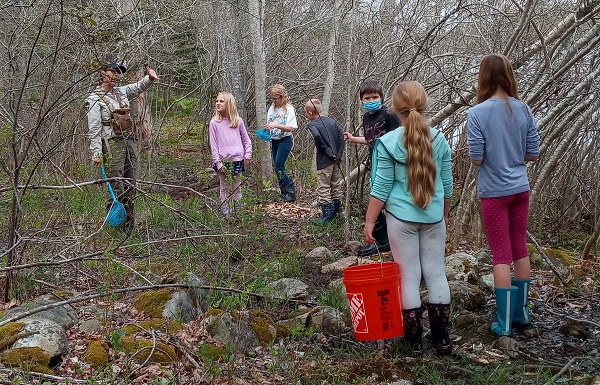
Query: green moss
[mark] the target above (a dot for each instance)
(163, 353)
(64, 294)
(562, 256)
(212, 352)
(532, 250)
(96, 354)
(9, 333)
(152, 302)
(42, 369)
(214, 312)
(153, 324)
(259, 323)
(26, 358)
(283, 331)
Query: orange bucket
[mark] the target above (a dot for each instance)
(374, 298)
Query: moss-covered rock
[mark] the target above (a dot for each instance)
(153, 324)
(152, 302)
(9, 333)
(262, 325)
(534, 256)
(562, 256)
(33, 359)
(212, 352)
(96, 354)
(141, 349)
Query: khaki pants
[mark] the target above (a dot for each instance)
(124, 163)
(329, 184)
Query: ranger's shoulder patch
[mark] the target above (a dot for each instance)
(87, 106)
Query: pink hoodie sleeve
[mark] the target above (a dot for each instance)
(214, 144)
(245, 140)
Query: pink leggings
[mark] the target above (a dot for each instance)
(505, 222)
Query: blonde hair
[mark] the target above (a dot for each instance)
(314, 106)
(410, 100)
(280, 91)
(230, 110)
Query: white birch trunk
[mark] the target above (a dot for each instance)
(256, 23)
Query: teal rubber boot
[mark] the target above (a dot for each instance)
(506, 299)
(521, 318)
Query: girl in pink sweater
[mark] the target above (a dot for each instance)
(231, 150)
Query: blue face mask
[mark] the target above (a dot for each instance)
(372, 106)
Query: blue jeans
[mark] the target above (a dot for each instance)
(280, 150)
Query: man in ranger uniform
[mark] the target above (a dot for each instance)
(112, 132)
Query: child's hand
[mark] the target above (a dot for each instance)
(368, 232)
(348, 136)
(247, 163)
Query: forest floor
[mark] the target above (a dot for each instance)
(315, 358)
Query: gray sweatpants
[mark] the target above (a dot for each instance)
(419, 250)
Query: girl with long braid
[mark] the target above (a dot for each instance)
(412, 176)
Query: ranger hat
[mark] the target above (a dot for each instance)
(114, 66)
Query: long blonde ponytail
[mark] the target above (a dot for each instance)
(410, 100)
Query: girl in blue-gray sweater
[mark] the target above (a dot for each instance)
(503, 136)
(412, 177)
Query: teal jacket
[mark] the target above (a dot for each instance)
(389, 177)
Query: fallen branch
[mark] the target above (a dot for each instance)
(561, 372)
(63, 380)
(583, 320)
(548, 261)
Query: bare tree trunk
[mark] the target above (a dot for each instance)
(330, 72)
(232, 52)
(348, 121)
(591, 242)
(257, 17)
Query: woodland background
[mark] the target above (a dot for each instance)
(52, 198)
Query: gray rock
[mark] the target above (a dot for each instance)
(319, 254)
(486, 282)
(288, 288)
(46, 334)
(465, 319)
(461, 267)
(508, 345)
(91, 326)
(180, 307)
(328, 319)
(197, 293)
(299, 321)
(63, 315)
(352, 247)
(244, 333)
(466, 296)
(483, 256)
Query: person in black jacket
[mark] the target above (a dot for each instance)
(329, 142)
(377, 121)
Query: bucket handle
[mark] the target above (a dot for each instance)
(358, 262)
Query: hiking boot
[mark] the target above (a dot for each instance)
(328, 213)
